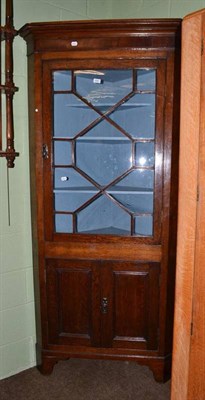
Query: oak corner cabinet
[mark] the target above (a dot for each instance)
(104, 127)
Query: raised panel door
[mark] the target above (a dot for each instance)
(132, 315)
(73, 302)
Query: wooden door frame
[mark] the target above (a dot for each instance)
(188, 370)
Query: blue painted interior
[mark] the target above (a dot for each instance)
(112, 153)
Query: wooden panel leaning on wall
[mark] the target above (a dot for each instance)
(189, 335)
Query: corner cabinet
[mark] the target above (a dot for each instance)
(104, 113)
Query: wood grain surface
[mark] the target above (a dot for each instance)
(196, 388)
(189, 335)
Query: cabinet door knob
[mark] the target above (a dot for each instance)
(104, 305)
(64, 178)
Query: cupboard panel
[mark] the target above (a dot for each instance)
(73, 302)
(136, 306)
(130, 290)
(74, 309)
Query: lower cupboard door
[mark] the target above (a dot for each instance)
(73, 302)
(131, 317)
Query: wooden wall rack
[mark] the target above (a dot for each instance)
(7, 34)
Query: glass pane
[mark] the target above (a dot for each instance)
(146, 79)
(67, 109)
(62, 80)
(104, 159)
(135, 191)
(136, 202)
(137, 180)
(145, 154)
(102, 216)
(103, 88)
(62, 153)
(137, 116)
(72, 200)
(68, 178)
(71, 189)
(103, 130)
(63, 223)
(144, 225)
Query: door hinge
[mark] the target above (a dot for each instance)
(192, 328)
(197, 194)
(45, 151)
(45, 276)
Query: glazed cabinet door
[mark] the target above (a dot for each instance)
(104, 140)
(130, 292)
(73, 302)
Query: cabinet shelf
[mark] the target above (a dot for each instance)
(129, 189)
(107, 106)
(104, 139)
(111, 191)
(119, 139)
(111, 230)
(76, 190)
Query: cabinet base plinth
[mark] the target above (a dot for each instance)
(160, 366)
(161, 370)
(47, 365)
